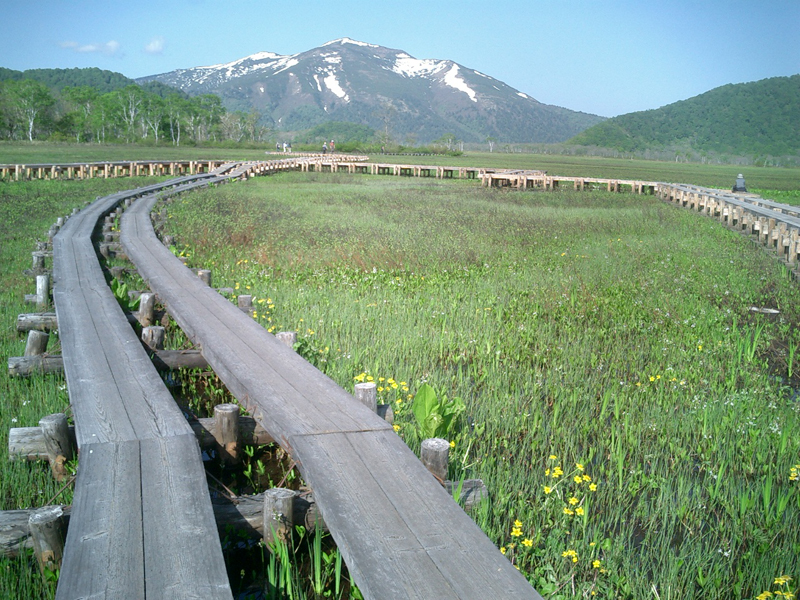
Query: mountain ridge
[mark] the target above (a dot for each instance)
(757, 117)
(387, 89)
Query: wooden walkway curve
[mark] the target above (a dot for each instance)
(142, 519)
(142, 526)
(400, 533)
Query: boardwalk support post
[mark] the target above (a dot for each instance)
(367, 394)
(278, 515)
(147, 306)
(205, 276)
(46, 527)
(37, 343)
(153, 336)
(434, 455)
(42, 290)
(287, 337)
(226, 432)
(55, 430)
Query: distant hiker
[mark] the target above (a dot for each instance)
(289, 145)
(277, 146)
(324, 148)
(333, 146)
(285, 147)
(739, 186)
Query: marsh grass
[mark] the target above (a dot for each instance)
(600, 335)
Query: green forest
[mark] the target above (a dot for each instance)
(758, 118)
(91, 105)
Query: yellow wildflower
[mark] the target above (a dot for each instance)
(579, 511)
(553, 457)
(527, 542)
(547, 489)
(573, 501)
(568, 511)
(579, 466)
(516, 532)
(592, 487)
(517, 523)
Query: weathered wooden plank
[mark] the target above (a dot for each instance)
(251, 362)
(179, 523)
(105, 526)
(354, 471)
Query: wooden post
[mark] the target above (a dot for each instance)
(46, 527)
(205, 276)
(287, 337)
(278, 515)
(42, 290)
(38, 261)
(245, 303)
(226, 432)
(434, 455)
(37, 343)
(367, 394)
(147, 305)
(153, 336)
(57, 441)
(169, 241)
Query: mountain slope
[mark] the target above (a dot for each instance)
(761, 117)
(383, 88)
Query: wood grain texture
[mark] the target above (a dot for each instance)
(141, 524)
(104, 550)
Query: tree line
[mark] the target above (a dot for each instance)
(30, 110)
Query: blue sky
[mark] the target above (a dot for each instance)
(606, 57)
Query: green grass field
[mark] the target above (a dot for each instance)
(635, 422)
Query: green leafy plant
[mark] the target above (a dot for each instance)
(120, 290)
(435, 417)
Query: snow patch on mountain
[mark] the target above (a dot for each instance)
(333, 85)
(454, 81)
(408, 66)
(346, 40)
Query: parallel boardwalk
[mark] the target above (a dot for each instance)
(400, 533)
(776, 225)
(142, 524)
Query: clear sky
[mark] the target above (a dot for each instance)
(606, 57)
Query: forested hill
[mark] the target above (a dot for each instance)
(762, 117)
(101, 80)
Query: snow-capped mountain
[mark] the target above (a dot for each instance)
(347, 80)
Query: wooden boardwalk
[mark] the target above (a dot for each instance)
(400, 533)
(775, 225)
(142, 524)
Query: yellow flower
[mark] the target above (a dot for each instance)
(579, 466)
(380, 389)
(592, 487)
(553, 457)
(597, 564)
(255, 315)
(360, 377)
(568, 511)
(396, 427)
(547, 489)
(527, 542)
(517, 523)
(573, 501)
(370, 378)
(502, 550)
(546, 472)
(700, 347)
(577, 479)
(652, 378)
(585, 477)
(516, 532)
(782, 580)
(579, 511)
(452, 444)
